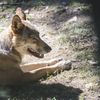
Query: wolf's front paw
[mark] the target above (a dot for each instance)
(64, 65)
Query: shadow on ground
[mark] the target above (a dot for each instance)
(39, 91)
(96, 18)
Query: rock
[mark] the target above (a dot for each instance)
(73, 19)
(94, 63)
(89, 86)
(46, 8)
(27, 11)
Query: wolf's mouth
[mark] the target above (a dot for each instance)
(36, 54)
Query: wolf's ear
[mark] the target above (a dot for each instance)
(19, 11)
(17, 25)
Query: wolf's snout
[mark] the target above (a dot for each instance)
(47, 48)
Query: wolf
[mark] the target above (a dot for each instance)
(19, 39)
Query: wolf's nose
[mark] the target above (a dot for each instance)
(47, 48)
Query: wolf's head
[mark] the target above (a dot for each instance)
(26, 38)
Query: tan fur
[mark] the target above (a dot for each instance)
(20, 13)
(14, 44)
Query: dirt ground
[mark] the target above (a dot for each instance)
(69, 30)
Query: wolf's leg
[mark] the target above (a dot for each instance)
(36, 65)
(40, 72)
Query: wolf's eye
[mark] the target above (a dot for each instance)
(32, 36)
(35, 40)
